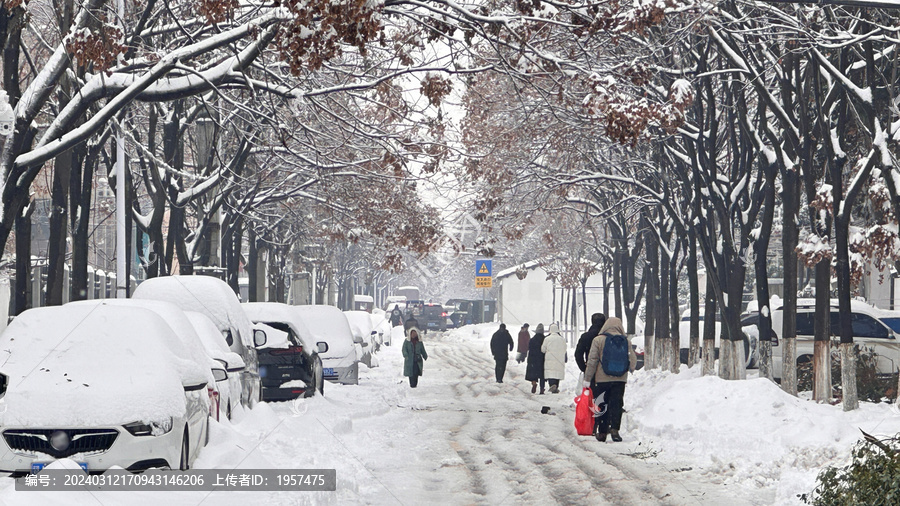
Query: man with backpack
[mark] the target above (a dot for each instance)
(610, 360)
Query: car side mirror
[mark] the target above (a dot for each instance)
(259, 337)
(219, 374)
(322, 346)
(357, 339)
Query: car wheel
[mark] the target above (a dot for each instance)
(184, 465)
(749, 361)
(228, 411)
(320, 376)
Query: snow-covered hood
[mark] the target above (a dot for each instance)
(73, 366)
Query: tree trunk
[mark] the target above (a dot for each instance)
(822, 348)
(664, 351)
(605, 291)
(791, 203)
(651, 271)
(694, 287)
(81, 191)
(709, 328)
(253, 266)
(760, 265)
(848, 357)
(23, 260)
(674, 337)
(57, 245)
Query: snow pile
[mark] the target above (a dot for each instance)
(328, 324)
(283, 314)
(747, 433)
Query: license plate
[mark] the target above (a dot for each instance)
(328, 371)
(37, 466)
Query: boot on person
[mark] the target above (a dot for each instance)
(614, 434)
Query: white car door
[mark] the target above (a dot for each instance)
(871, 333)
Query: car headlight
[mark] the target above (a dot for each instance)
(152, 429)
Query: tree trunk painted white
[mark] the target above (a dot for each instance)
(709, 357)
(738, 360)
(649, 351)
(789, 366)
(726, 367)
(848, 376)
(822, 370)
(765, 359)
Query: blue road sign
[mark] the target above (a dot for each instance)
(482, 268)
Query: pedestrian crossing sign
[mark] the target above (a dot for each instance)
(483, 277)
(482, 268)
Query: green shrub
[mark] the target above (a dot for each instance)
(872, 478)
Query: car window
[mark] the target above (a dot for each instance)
(284, 327)
(893, 323)
(866, 326)
(806, 324)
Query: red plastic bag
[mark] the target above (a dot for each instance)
(584, 413)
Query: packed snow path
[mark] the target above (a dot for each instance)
(459, 438)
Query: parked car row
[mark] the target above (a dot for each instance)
(135, 382)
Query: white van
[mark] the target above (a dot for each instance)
(868, 331)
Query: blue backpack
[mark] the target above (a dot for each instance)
(615, 356)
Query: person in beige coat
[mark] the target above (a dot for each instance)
(608, 390)
(555, 358)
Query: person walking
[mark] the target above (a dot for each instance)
(583, 348)
(522, 349)
(414, 356)
(610, 360)
(396, 316)
(499, 343)
(534, 368)
(555, 358)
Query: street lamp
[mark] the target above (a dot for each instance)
(7, 116)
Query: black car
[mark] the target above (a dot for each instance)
(434, 316)
(280, 367)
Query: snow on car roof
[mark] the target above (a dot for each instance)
(88, 365)
(278, 312)
(205, 294)
(183, 340)
(328, 323)
(360, 323)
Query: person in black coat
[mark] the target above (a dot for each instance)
(583, 348)
(501, 345)
(534, 369)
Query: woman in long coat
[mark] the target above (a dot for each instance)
(414, 356)
(534, 369)
(554, 349)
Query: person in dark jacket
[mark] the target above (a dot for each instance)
(396, 316)
(414, 356)
(522, 348)
(534, 369)
(583, 348)
(500, 341)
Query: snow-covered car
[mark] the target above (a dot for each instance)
(291, 363)
(869, 330)
(183, 335)
(748, 326)
(230, 387)
(363, 336)
(329, 324)
(382, 328)
(96, 384)
(215, 299)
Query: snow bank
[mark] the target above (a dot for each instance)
(748, 433)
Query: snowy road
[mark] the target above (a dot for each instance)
(460, 438)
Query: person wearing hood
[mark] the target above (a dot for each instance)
(612, 388)
(414, 356)
(534, 368)
(396, 316)
(555, 358)
(500, 341)
(522, 348)
(583, 348)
